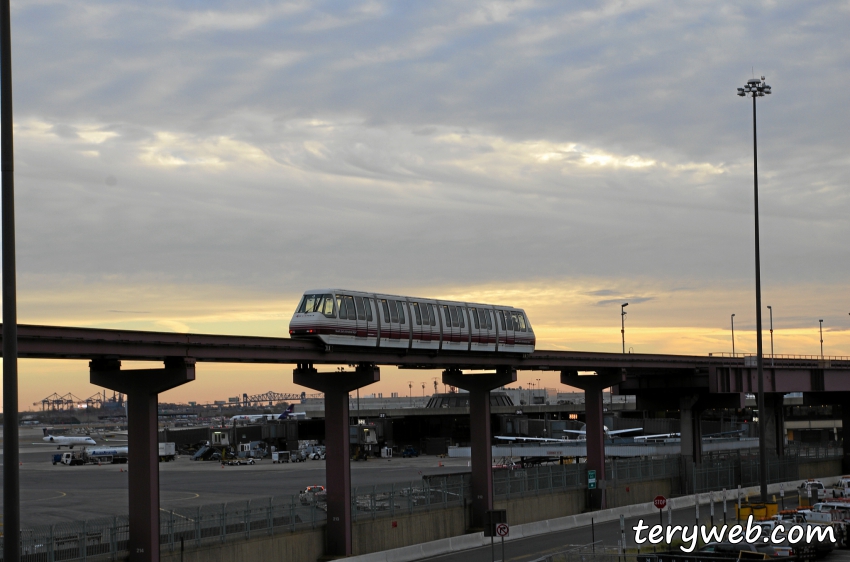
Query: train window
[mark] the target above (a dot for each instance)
(474, 313)
(489, 317)
(327, 305)
(393, 312)
(400, 312)
(352, 312)
(453, 312)
(426, 309)
(340, 306)
(460, 313)
(509, 321)
(527, 323)
(446, 316)
(433, 314)
(415, 307)
(358, 303)
(367, 303)
(302, 306)
(502, 320)
(521, 319)
(386, 311)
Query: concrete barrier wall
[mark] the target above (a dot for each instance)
(816, 469)
(385, 533)
(545, 505)
(301, 545)
(444, 530)
(619, 494)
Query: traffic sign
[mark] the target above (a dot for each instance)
(591, 479)
(502, 530)
(660, 502)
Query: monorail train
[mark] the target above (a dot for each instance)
(341, 317)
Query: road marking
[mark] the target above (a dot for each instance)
(61, 495)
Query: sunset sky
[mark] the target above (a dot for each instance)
(196, 167)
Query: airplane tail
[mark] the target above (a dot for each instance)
(44, 431)
(290, 409)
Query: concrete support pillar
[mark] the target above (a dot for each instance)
(593, 385)
(774, 424)
(690, 429)
(845, 436)
(336, 386)
(479, 387)
(142, 387)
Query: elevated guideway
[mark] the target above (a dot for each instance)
(660, 382)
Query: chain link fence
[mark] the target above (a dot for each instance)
(106, 538)
(728, 471)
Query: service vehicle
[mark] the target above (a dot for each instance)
(280, 457)
(409, 451)
(167, 452)
(841, 489)
(356, 318)
(313, 494)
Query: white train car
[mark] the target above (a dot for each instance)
(341, 317)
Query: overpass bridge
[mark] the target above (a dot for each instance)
(688, 383)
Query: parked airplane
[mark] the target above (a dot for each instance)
(65, 440)
(289, 413)
(582, 433)
(535, 439)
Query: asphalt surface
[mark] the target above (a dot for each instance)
(52, 494)
(606, 534)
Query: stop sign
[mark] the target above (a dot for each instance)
(660, 502)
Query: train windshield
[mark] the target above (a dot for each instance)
(317, 303)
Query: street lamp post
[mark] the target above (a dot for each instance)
(821, 339)
(623, 323)
(732, 318)
(757, 88)
(770, 308)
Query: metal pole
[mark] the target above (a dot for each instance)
(821, 339)
(770, 308)
(732, 318)
(623, 324)
(11, 475)
(759, 358)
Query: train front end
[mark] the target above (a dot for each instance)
(314, 317)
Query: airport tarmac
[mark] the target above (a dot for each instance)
(52, 494)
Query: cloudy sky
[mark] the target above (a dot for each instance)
(196, 166)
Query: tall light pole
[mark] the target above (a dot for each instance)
(11, 474)
(623, 323)
(771, 334)
(757, 89)
(821, 338)
(410, 386)
(732, 319)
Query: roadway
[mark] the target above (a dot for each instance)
(533, 548)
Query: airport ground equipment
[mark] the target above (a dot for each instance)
(167, 452)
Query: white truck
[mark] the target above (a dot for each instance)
(841, 489)
(167, 452)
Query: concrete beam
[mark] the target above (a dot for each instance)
(479, 387)
(336, 385)
(142, 387)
